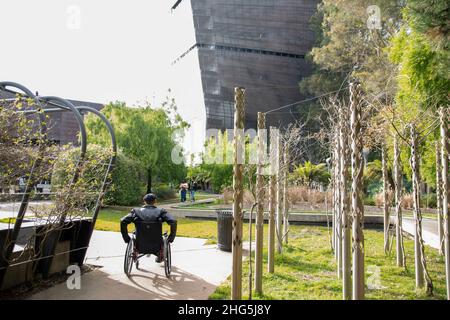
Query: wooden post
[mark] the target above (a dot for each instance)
(439, 198)
(285, 195)
(445, 152)
(260, 202)
(357, 194)
(398, 204)
(386, 204)
(238, 193)
(272, 196)
(280, 196)
(345, 215)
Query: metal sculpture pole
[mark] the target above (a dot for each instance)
(439, 198)
(357, 194)
(386, 204)
(417, 214)
(345, 215)
(398, 204)
(419, 246)
(280, 196)
(445, 152)
(273, 204)
(260, 202)
(238, 193)
(285, 195)
(337, 186)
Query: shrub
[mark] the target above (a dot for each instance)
(379, 199)
(407, 201)
(227, 195)
(303, 194)
(164, 191)
(128, 182)
(369, 201)
(429, 198)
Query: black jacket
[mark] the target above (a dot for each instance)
(148, 213)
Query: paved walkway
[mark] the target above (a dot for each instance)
(197, 270)
(429, 230)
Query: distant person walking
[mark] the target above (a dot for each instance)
(192, 189)
(183, 190)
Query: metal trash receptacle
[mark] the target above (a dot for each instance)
(224, 229)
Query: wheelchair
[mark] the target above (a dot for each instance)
(146, 240)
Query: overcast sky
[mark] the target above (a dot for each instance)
(94, 50)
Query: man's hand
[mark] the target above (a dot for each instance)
(170, 239)
(126, 239)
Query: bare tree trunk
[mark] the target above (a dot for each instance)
(386, 204)
(439, 198)
(280, 196)
(260, 204)
(285, 195)
(272, 197)
(398, 204)
(357, 194)
(419, 254)
(346, 245)
(238, 194)
(445, 152)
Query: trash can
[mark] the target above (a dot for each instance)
(224, 229)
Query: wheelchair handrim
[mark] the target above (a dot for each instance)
(167, 258)
(128, 262)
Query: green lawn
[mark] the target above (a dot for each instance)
(307, 270)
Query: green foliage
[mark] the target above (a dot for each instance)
(198, 174)
(348, 47)
(145, 134)
(423, 79)
(217, 162)
(128, 182)
(309, 173)
(164, 191)
(431, 19)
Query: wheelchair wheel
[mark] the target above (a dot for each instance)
(167, 258)
(128, 260)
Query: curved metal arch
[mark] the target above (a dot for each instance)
(4, 258)
(106, 122)
(65, 104)
(112, 160)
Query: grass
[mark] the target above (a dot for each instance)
(307, 270)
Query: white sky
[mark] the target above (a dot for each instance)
(95, 50)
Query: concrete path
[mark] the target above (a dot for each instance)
(10, 209)
(197, 269)
(429, 230)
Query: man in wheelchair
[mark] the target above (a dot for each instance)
(148, 221)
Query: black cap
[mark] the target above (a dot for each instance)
(150, 197)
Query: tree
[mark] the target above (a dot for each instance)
(148, 135)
